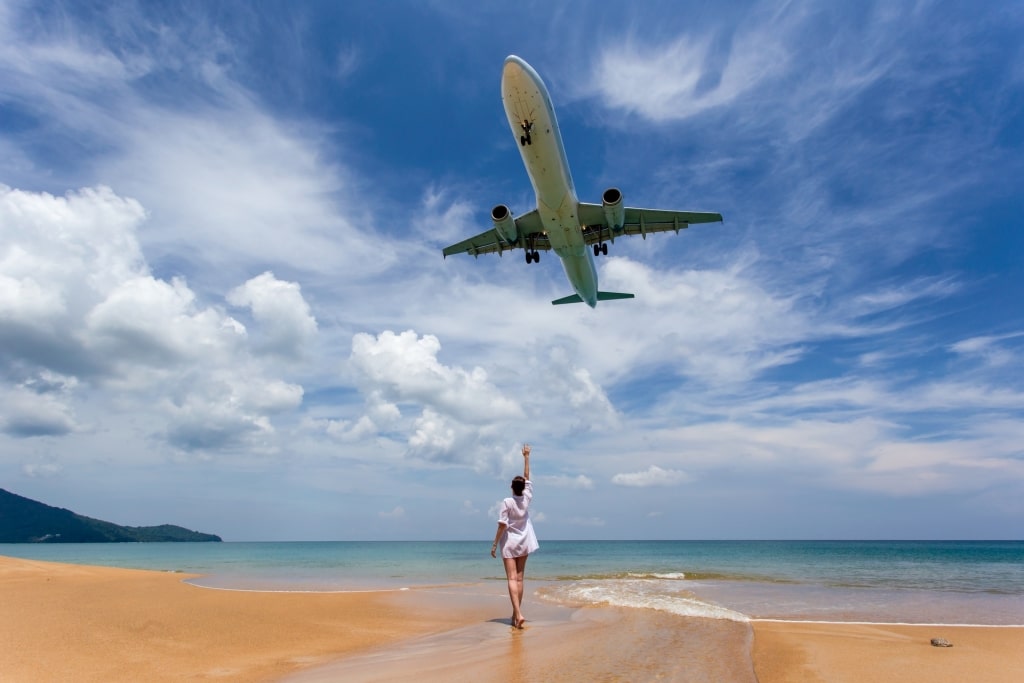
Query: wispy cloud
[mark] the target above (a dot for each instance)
(652, 476)
(579, 482)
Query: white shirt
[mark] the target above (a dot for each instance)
(519, 538)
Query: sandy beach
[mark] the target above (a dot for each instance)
(68, 622)
(790, 652)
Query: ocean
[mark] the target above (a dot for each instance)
(925, 582)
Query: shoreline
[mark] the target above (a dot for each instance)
(915, 624)
(79, 622)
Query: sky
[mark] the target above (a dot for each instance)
(223, 302)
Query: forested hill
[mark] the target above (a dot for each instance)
(27, 521)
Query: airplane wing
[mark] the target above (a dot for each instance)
(639, 221)
(529, 227)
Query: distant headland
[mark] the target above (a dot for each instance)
(23, 520)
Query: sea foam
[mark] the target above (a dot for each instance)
(660, 594)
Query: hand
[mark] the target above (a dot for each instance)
(493, 550)
(526, 450)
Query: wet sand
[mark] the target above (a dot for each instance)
(67, 622)
(560, 645)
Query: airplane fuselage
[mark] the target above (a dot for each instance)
(532, 119)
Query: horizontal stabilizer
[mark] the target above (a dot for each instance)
(601, 296)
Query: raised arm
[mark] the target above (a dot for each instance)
(526, 461)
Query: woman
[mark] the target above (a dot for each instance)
(515, 534)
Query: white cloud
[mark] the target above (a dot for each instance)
(586, 521)
(894, 296)
(225, 182)
(283, 315)
(444, 220)
(41, 470)
(652, 476)
(151, 322)
(719, 326)
(397, 513)
(461, 414)
(26, 413)
(82, 311)
(404, 367)
(989, 348)
(683, 77)
(580, 482)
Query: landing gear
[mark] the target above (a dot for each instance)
(525, 138)
(532, 256)
(601, 248)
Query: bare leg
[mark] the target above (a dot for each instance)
(515, 587)
(521, 583)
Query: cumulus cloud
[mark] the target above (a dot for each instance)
(26, 413)
(60, 257)
(81, 308)
(284, 316)
(38, 406)
(652, 476)
(459, 410)
(148, 321)
(404, 367)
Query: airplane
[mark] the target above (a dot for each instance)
(561, 221)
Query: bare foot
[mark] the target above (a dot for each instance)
(519, 624)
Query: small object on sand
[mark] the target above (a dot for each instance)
(941, 642)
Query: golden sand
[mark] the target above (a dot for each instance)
(76, 623)
(792, 652)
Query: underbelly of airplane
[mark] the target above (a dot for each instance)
(563, 227)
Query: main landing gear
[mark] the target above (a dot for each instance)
(532, 256)
(601, 248)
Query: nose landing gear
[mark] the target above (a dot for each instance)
(525, 138)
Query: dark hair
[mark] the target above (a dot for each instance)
(518, 485)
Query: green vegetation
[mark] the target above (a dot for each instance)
(27, 521)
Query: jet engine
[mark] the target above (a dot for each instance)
(614, 212)
(505, 224)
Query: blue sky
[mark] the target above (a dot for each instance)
(223, 303)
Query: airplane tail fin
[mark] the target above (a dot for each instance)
(601, 296)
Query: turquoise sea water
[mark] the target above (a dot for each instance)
(963, 582)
